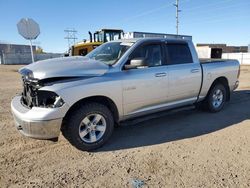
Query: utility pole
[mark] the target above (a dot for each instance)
(177, 16)
(71, 36)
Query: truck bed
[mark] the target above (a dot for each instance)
(203, 61)
(218, 68)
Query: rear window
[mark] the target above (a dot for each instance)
(178, 54)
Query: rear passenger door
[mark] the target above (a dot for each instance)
(184, 74)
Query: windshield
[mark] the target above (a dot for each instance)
(109, 36)
(109, 53)
(98, 37)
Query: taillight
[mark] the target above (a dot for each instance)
(238, 73)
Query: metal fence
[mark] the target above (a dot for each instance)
(25, 58)
(243, 58)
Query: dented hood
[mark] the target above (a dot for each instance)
(65, 67)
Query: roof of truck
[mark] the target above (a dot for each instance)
(149, 39)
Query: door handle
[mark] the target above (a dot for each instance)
(195, 70)
(162, 74)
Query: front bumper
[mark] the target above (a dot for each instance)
(40, 123)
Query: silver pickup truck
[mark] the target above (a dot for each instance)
(84, 97)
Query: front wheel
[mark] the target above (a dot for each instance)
(216, 98)
(89, 127)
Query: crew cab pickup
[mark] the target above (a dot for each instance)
(84, 97)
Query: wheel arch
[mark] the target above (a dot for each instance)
(96, 99)
(224, 81)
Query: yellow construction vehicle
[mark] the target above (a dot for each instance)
(100, 37)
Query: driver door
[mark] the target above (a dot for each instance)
(145, 87)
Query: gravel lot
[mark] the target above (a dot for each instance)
(188, 148)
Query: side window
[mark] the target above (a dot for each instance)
(151, 54)
(83, 52)
(179, 54)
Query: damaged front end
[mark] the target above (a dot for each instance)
(33, 97)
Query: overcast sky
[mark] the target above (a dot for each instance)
(213, 21)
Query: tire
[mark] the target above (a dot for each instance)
(216, 98)
(89, 126)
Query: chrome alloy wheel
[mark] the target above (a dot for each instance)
(217, 98)
(92, 128)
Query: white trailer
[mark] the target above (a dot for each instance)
(135, 34)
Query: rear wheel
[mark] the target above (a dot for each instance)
(89, 127)
(216, 98)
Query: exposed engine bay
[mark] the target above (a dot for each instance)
(33, 97)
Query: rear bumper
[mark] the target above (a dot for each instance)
(40, 123)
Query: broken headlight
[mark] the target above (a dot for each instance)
(48, 99)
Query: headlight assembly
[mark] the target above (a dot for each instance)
(48, 99)
(39, 98)
(58, 102)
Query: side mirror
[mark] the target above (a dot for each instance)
(135, 63)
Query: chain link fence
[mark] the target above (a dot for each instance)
(25, 58)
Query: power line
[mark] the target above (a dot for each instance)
(151, 11)
(214, 20)
(71, 36)
(200, 7)
(215, 9)
(177, 16)
(219, 14)
(148, 12)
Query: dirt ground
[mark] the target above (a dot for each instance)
(189, 148)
